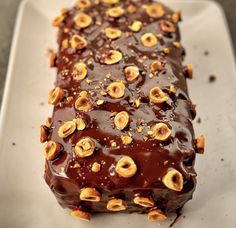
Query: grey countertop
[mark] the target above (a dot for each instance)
(8, 10)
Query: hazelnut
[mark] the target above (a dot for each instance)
(78, 42)
(167, 26)
(116, 205)
(126, 139)
(80, 71)
(80, 124)
(149, 39)
(112, 33)
(121, 120)
(161, 132)
(176, 17)
(157, 96)
(96, 167)
(155, 10)
(173, 180)
(126, 167)
(115, 12)
(55, 96)
(144, 201)
(67, 129)
(100, 102)
(83, 4)
(51, 150)
(188, 71)
(110, 1)
(43, 134)
(200, 144)
(112, 57)
(131, 9)
(90, 194)
(83, 104)
(85, 147)
(116, 90)
(58, 21)
(52, 61)
(81, 214)
(155, 67)
(172, 89)
(83, 20)
(48, 122)
(137, 103)
(136, 26)
(131, 73)
(156, 216)
(65, 44)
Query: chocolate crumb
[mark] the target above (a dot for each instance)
(206, 53)
(212, 78)
(13, 144)
(199, 120)
(41, 103)
(222, 159)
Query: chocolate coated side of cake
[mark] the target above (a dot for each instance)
(121, 135)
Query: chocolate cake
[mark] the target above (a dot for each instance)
(121, 136)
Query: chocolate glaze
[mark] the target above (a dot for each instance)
(149, 156)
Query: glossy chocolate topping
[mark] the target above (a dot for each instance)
(68, 173)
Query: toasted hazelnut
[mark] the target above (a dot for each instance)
(176, 44)
(51, 150)
(161, 132)
(115, 12)
(137, 103)
(121, 120)
(116, 90)
(116, 205)
(80, 71)
(78, 42)
(167, 26)
(90, 194)
(48, 122)
(65, 44)
(43, 133)
(83, 104)
(52, 61)
(112, 33)
(144, 201)
(149, 39)
(55, 96)
(157, 96)
(110, 1)
(126, 139)
(80, 124)
(188, 71)
(131, 9)
(67, 129)
(136, 26)
(172, 89)
(126, 167)
(155, 10)
(100, 102)
(112, 57)
(83, 4)
(155, 67)
(173, 180)
(81, 214)
(200, 144)
(96, 167)
(58, 20)
(131, 73)
(85, 147)
(83, 20)
(156, 216)
(176, 17)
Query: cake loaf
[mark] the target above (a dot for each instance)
(121, 136)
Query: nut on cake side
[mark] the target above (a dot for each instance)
(121, 136)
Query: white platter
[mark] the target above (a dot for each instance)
(25, 199)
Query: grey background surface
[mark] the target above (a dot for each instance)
(8, 11)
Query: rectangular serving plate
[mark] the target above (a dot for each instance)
(25, 199)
